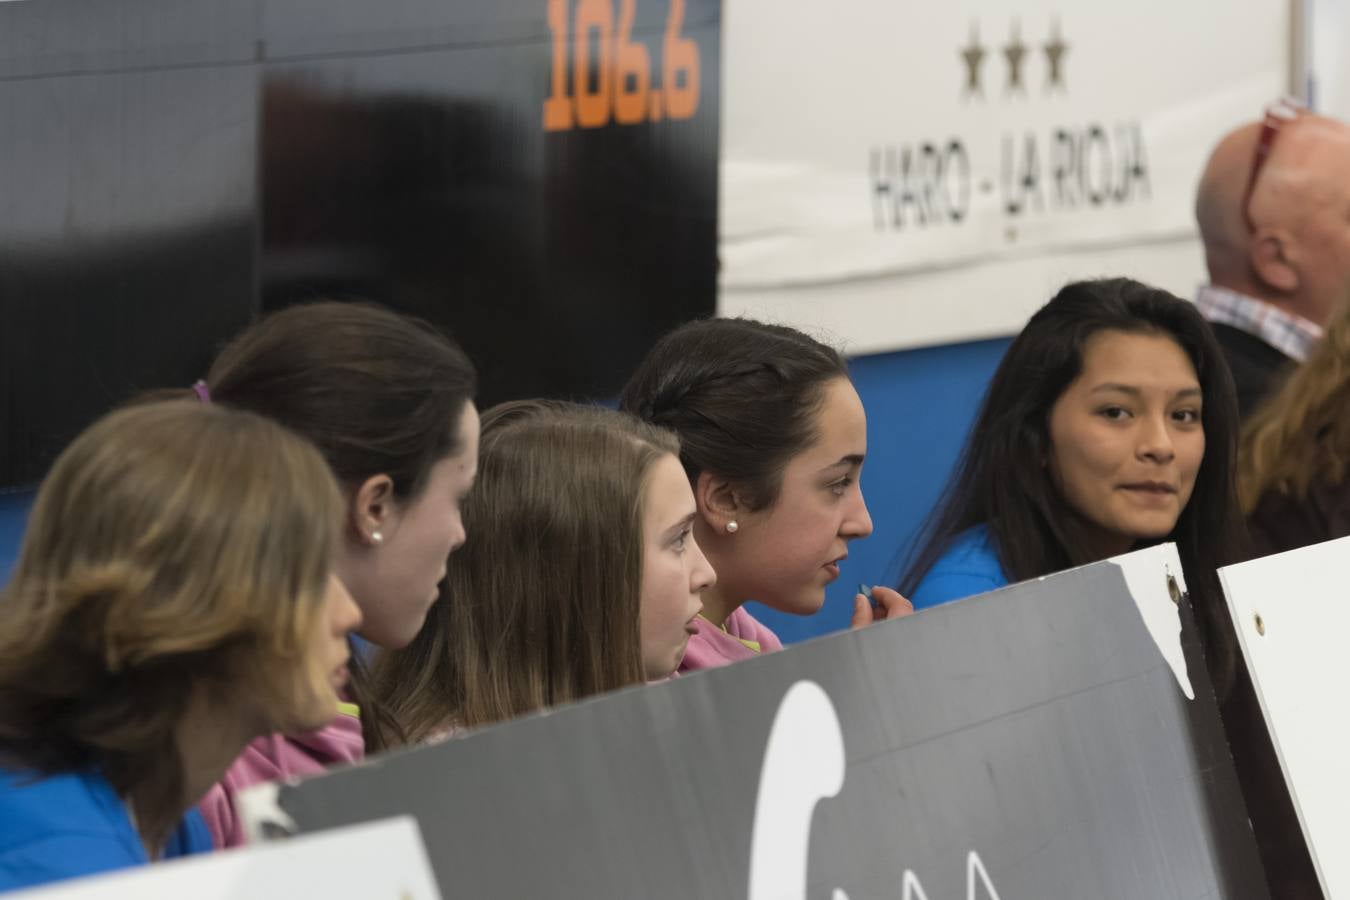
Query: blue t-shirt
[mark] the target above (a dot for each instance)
(970, 566)
(74, 824)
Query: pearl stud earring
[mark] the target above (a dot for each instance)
(732, 526)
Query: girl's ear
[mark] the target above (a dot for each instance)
(371, 509)
(718, 503)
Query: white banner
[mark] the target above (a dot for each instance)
(1329, 42)
(902, 173)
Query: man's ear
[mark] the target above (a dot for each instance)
(718, 501)
(1270, 256)
(371, 509)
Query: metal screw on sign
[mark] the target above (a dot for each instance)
(1260, 625)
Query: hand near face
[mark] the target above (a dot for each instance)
(890, 605)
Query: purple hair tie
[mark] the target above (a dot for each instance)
(202, 391)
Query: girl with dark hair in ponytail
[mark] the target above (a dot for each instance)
(772, 436)
(388, 401)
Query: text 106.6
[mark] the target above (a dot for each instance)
(618, 86)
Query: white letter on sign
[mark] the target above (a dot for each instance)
(803, 764)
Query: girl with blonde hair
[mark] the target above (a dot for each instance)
(580, 574)
(1295, 450)
(173, 599)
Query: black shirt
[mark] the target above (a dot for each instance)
(1257, 367)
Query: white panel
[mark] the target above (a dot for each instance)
(1292, 618)
(383, 859)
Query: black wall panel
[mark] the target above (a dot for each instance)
(169, 168)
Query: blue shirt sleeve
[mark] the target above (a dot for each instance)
(969, 566)
(943, 587)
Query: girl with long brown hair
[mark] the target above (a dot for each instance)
(580, 574)
(173, 599)
(1295, 452)
(388, 400)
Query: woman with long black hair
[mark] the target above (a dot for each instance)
(1110, 425)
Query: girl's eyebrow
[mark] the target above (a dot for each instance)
(1136, 392)
(848, 459)
(681, 525)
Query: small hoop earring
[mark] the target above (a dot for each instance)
(376, 537)
(732, 526)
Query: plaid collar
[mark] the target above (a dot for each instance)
(1292, 335)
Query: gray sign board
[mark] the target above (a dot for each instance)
(1034, 742)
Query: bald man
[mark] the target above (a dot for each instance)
(1279, 259)
(1278, 252)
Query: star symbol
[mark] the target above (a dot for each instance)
(1014, 52)
(973, 56)
(1054, 55)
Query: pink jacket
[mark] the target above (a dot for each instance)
(741, 638)
(273, 758)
